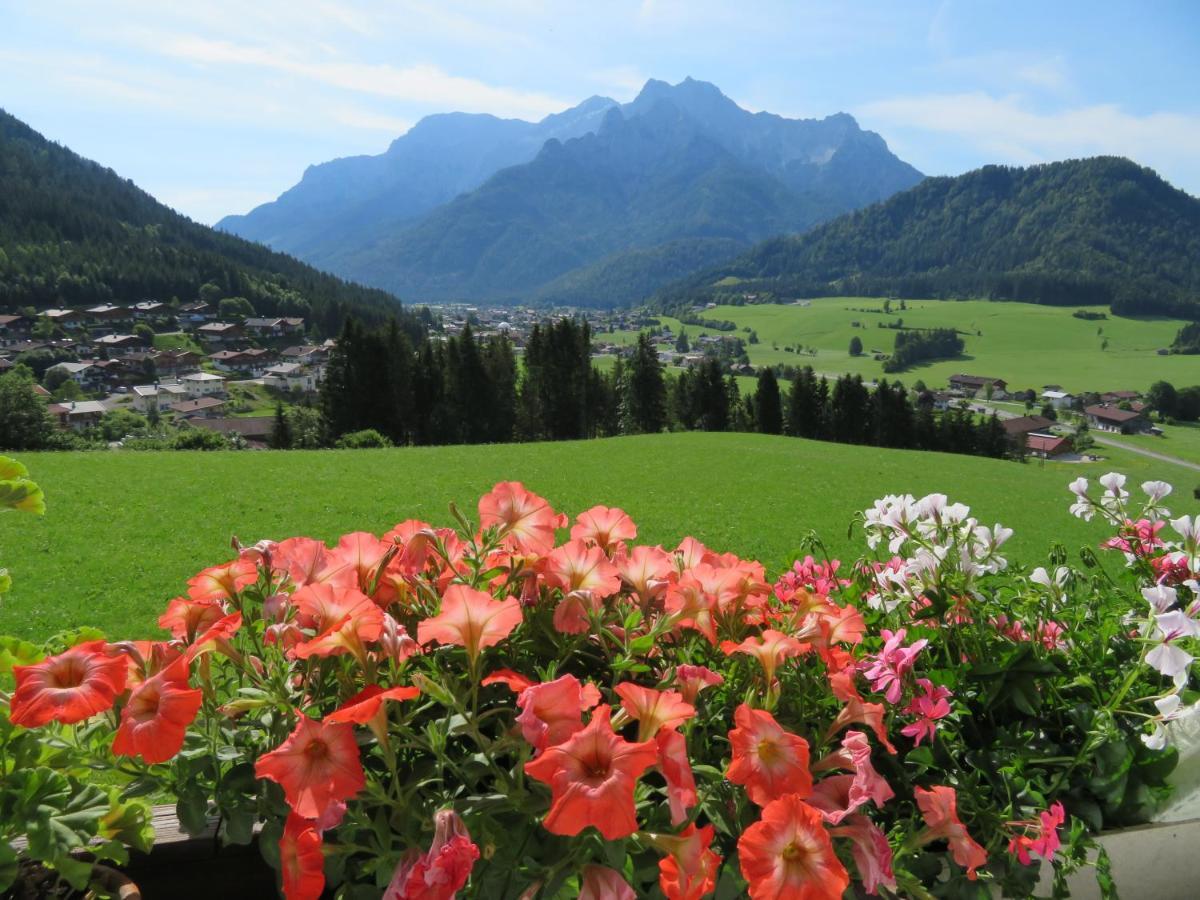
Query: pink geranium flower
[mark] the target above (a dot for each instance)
(887, 668)
(928, 706)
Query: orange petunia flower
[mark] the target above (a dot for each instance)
(553, 711)
(691, 553)
(217, 637)
(514, 681)
(306, 561)
(360, 552)
(691, 680)
(857, 712)
(577, 567)
(470, 619)
(603, 883)
(443, 871)
(592, 776)
(605, 527)
(155, 720)
(871, 851)
(68, 688)
(691, 600)
(222, 582)
(301, 862)
(767, 760)
(345, 621)
(770, 650)
(185, 618)
(526, 521)
(689, 870)
(366, 708)
(647, 571)
(676, 769)
(855, 755)
(653, 709)
(939, 806)
(787, 855)
(316, 765)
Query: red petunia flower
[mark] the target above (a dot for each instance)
(155, 719)
(770, 650)
(217, 637)
(316, 765)
(653, 709)
(871, 851)
(553, 711)
(677, 772)
(186, 618)
(691, 680)
(345, 621)
(444, 870)
(68, 688)
(470, 619)
(526, 521)
(577, 567)
(301, 862)
(366, 708)
(939, 806)
(306, 561)
(646, 571)
(222, 582)
(788, 854)
(360, 552)
(689, 870)
(592, 776)
(603, 883)
(605, 527)
(514, 681)
(768, 761)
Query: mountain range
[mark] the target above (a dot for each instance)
(598, 205)
(1099, 230)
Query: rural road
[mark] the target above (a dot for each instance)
(1107, 441)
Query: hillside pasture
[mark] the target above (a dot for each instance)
(1026, 344)
(124, 531)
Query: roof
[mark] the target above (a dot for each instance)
(977, 379)
(1050, 444)
(285, 369)
(114, 339)
(146, 305)
(191, 406)
(1026, 424)
(8, 320)
(72, 368)
(107, 307)
(1122, 395)
(263, 323)
(58, 313)
(1112, 413)
(247, 427)
(1056, 395)
(80, 408)
(217, 326)
(222, 355)
(202, 376)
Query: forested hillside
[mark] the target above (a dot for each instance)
(1101, 230)
(73, 233)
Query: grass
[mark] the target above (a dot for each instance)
(1181, 441)
(177, 340)
(124, 531)
(1026, 344)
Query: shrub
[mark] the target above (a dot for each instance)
(199, 439)
(366, 439)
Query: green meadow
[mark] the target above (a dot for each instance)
(123, 531)
(1026, 344)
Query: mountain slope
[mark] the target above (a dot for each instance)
(73, 233)
(680, 177)
(341, 202)
(1101, 230)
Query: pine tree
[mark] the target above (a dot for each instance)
(768, 405)
(281, 432)
(644, 400)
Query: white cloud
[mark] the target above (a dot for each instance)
(1048, 74)
(1005, 129)
(368, 120)
(625, 80)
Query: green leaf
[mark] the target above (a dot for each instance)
(22, 495)
(8, 862)
(192, 809)
(16, 652)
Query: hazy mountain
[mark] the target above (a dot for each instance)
(73, 233)
(616, 202)
(1101, 230)
(345, 200)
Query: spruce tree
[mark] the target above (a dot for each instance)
(644, 399)
(281, 432)
(768, 405)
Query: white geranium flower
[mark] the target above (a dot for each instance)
(1156, 490)
(1187, 528)
(1160, 597)
(1079, 487)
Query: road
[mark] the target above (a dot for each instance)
(1100, 438)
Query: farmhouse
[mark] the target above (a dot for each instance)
(1026, 425)
(978, 384)
(84, 373)
(203, 407)
(1113, 418)
(67, 318)
(219, 332)
(1115, 397)
(117, 341)
(255, 429)
(1059, 399)
(78, 414)
(148, 308)
(1047, 446)
(13, 329)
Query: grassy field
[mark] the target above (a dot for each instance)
(176, 340)
(1025, 344)
(1181, 441)
(124, 531)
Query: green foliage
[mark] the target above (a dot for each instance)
(1090, 231)
(1188, 339)
(119, 423)
(367, 439)
(913, 347)
(76, 234)
(199, 439)
(856, 346)
(25, 423)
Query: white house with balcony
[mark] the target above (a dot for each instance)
(203, 384)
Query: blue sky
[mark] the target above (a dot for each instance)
(217, 106)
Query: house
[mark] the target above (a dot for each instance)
(291, 377)
(160, 395)
(5, 364)
(175, 362)
(195, 314)
(203, 407)
(1020, 428)
(219, 332)
(78, 414)
(148, 309)
(83, 373)
(117, 341)
(973, 385)
(255, 429)
(1113, 418)
(1115, 397)
(203, 384)
(1059, 399)
(14, 329)
(65, 318)
(109, 312)
(228, 360)
(264, 328)
(305, 354)
(1047, 446)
